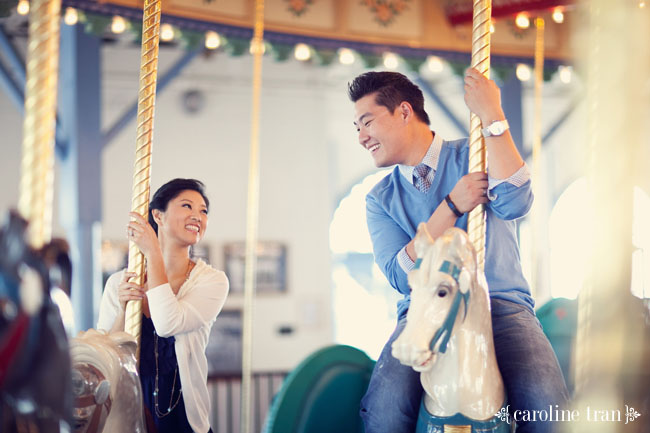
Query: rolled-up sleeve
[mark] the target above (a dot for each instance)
(511, 198)
(388, 238)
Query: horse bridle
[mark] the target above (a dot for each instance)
(443, 334)
(99, 398)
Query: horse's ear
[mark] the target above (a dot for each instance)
(464, 248)
(422, 240)
(464, 280)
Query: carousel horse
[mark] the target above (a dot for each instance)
(448, 338)
(35, 384)
(108, 396)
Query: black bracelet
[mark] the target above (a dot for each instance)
(453, 207)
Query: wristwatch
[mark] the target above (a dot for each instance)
(495, 128)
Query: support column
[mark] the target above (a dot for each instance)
(511, 94)
(80, 174)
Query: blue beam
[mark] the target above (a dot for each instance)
(511, 97)
(428, 89)
(131, 113)
(15, 62)
(11, 89)
(80, 174)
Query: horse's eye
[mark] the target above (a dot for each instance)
(442, 293)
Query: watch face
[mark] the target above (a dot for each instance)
(497, 128)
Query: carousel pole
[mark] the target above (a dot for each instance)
(540, 211)
(37, 165)
(143, 145)
(477, 151)
(252, 219)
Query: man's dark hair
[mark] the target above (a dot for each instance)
(392, 88)
(170, 191)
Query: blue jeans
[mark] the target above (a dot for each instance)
(530, 371)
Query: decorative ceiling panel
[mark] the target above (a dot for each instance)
(316, 14)
(405, 24)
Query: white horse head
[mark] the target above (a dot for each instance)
(448, 335)
(106, 383)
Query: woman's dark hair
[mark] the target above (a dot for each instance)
(170, 191)
(391, 88)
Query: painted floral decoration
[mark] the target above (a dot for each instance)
(298, 7)
(385, 10)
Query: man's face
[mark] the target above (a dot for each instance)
(380, 131)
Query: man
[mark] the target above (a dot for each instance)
(431, 184)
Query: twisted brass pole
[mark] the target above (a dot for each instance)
(540, 210)
(252, 218)
(477, 151)
(143, 145)
(37, 165)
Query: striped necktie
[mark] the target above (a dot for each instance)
(420, 174)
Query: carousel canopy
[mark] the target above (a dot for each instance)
(411, 29)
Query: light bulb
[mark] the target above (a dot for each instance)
(302, 52)
(435, 64)
(71, 16)
(23, 7)
(346, 56)
(391, 61)
(522, 21)
(212, 40)
(118, 25)
(166, 32)
(523, 72)
(566, 73)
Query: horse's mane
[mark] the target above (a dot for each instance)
(100, 349)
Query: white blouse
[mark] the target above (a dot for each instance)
(188, 317)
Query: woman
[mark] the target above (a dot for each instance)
(180, 301)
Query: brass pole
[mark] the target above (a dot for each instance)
(252, 218)
(477, 150)
(143, 145)
(539, 212)
(37, 165)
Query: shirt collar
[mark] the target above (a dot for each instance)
(430, 159)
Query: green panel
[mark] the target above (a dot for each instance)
(559, 318)
(322, 394)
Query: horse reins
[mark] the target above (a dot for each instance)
(443, 334)
(89, 400)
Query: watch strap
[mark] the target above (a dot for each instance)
(486, 132)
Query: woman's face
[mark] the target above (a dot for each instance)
(185, 219)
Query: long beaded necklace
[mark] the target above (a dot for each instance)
(180, 390)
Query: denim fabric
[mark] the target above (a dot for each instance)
(530, 371)
(392, 401)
